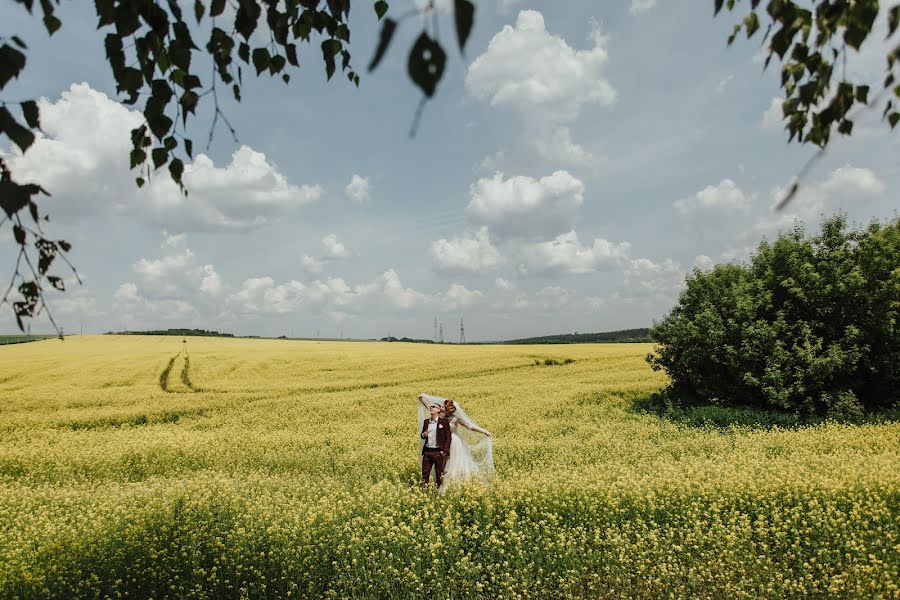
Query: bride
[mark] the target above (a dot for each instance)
(471, 455)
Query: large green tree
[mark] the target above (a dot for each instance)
(161, 53)
(811, 325)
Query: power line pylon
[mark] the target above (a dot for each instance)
(435, 338)
(441, 334)
(462, 332)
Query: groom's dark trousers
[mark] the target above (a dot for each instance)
(436, 457)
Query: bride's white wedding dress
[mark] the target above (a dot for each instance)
(471, 446)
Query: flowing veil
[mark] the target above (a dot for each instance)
(479, 446)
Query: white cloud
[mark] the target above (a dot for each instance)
(248, 193)
(82, 159)
(650, 281)
(557, 146)
(458, 297)
(524, 207)
(773, 117)
(725, 197)
(720, 87)
(358, 189)
(210, 283)
(553, 84)
(641, 6)
(134, 308)
(471, 252)
(171, 287)
(310, 264)
(262, 296)
(566, 254)
(334, 249)
(849, 183)
(703, 262)
(845, 187)
(503, 284)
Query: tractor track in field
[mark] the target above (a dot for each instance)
(185, 374)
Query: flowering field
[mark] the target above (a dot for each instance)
(273, 468)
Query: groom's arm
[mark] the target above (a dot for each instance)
(448, 439)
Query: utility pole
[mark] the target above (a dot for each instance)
(435, 338)
(441, 334)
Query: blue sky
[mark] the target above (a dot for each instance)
(573, 167)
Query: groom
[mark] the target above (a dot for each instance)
(436, 433)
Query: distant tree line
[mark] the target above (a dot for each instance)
(174, 332)
(391, 338)
(811, 326)
(621, 336)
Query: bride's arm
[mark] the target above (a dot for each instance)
(473, 427)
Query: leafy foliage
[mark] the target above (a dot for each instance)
(812, 45)
(811, 325)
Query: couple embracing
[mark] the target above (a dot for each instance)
(453, 445)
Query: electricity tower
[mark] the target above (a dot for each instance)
(441, 334)
(435, 337)
(462, 332)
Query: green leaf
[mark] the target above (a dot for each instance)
(718, 6)
(52, 24)
(189, 147)
(216, 8)
(291, 51)
(13, 197)
(20, 235)
(751, 24)
(893, 118)
(464, 14)
(11, 64)
(260, 59)
(199, 9)
(18, 42)
(845, 127)
(244, 52)
(276, 64)
(862, 93)
(176, 169)
(21, 136)
(387, 33)
(140, 182)
(426, 64)
(137, 157)
(381, 7)
(160, 156)
(64, 245)
(893, 19)
(57, 282)
(32, 114)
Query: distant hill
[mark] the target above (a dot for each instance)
(174, 332)
(622, 336)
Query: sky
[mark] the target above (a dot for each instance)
(574, 166)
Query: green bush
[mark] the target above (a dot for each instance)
(811, 326)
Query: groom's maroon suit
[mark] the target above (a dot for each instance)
(435, 457)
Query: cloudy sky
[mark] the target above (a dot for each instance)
(573, 167)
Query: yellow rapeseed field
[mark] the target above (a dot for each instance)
(278, 468)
